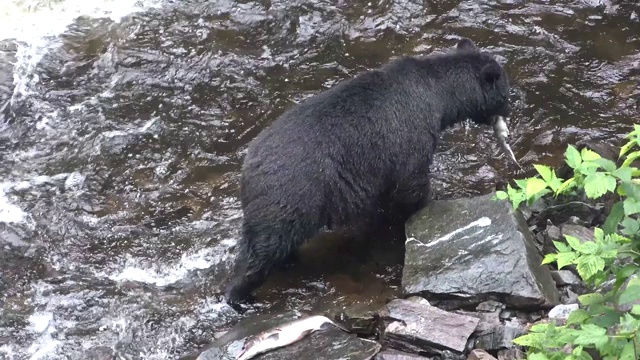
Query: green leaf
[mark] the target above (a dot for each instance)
(545, 172)
(630, 158)
(532, 339)
(628, 351)
(566, 185)
(589, 265)
(565, 259)
(598, 234)
(631, 206)
(610, 225)
(631, 189)
(631, 226)
(539, 328)
(606, 164)
(562, 247)
(603, 316)
(625, 149)
(590, 299)
(588, 168)
(549, 258)
(630, 294)
(623, 173)
(592, 335)
(537, 356)
(588, 247)
(573, 157)
(522, 183)
(577, 316)
(501, 195)
(635, 310)
(574, 242)
(598, 184)
(534, 186)
(589, 155)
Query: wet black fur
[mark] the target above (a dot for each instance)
(337, 159)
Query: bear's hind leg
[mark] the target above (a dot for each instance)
(409, 197)
(261, 249)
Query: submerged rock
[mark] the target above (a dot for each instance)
(415, 327)
(329, 344)
(398, 355)
(475, 249)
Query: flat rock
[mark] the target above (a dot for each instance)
(478, 354)
(489, 321)
(580, 232)
(475, 249)
(566, 277)
(398, 355)
(501, 337)
(561, 312)
(415, 327)
(359, 319)
(511, 354)
(329, 344)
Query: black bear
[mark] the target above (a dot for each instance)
(362, 147)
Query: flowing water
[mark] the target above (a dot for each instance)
(123, 125)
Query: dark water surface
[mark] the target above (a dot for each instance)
(120, 149)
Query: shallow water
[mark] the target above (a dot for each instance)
(123, 125)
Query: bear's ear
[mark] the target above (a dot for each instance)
(491, 72)
(465, 43)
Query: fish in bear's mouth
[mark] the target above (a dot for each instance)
(501, 131)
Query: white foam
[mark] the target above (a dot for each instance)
(25, 20)
(42, 323)
(9, 213)
(34, 25)
(165, 275)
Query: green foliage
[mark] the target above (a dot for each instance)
(607, 323)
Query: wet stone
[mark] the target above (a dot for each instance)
(565, 277)
(359, 319)
(478, 354)
(561, 313)
(415, 328)
(398, 355)
(330, 343)
(489, 306)
(580, 232)
(562, 213)
(489, 322)
(511, 354)
(475, 249)
(501, 337)
(100, 353)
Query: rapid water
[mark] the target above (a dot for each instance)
(123, 125)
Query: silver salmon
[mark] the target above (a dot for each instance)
(501, 131)
(282, 335)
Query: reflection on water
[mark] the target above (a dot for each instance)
(123, 125)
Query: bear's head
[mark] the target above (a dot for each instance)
(492, 81)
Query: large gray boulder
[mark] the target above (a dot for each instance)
(474, 249)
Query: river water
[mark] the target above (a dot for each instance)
(123, 125)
